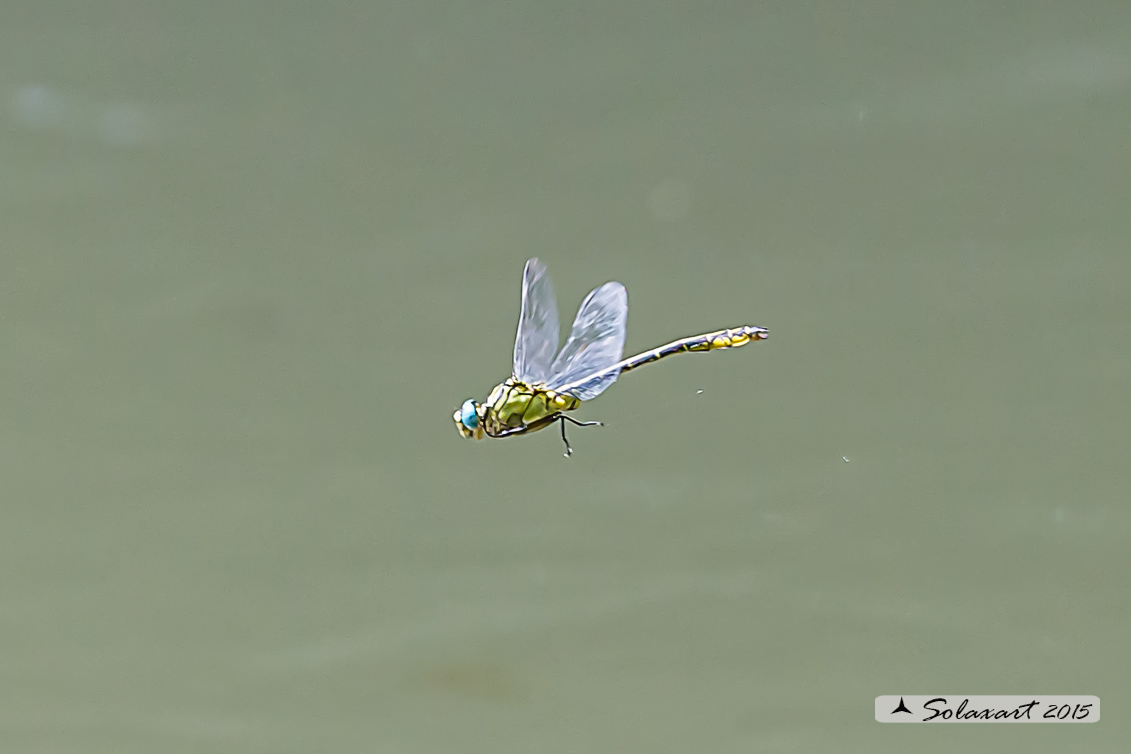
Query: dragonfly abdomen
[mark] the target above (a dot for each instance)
(735, 337)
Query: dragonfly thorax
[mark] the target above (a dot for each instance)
(515, 406)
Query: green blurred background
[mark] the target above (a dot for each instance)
(254, 254)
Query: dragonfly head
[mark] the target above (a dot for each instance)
(468, 420)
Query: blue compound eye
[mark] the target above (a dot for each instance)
(468, 415)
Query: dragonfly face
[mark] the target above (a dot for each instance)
(468, 420)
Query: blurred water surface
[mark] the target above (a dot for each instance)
(256, 253)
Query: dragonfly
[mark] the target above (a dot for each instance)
(547, 383)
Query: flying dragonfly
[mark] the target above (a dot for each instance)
(546, 383)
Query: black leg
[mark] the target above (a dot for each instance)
(582, 424)
(569, 450)
(564, 419)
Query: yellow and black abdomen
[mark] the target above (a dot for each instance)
(734, 337)
(515, 407)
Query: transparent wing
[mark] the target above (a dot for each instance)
(537, 339)
(596, 342)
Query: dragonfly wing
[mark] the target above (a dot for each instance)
(596, 342)
(537, 339)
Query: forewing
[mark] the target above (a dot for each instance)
(596, 342)
(537, 339)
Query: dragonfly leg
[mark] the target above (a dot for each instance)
(569, 450)
(582, 424)
(564, 419)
